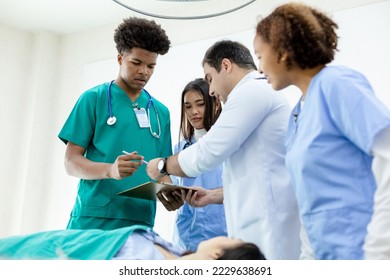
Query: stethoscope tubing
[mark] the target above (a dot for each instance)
(112, 119)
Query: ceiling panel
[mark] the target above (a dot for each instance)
(72, 16)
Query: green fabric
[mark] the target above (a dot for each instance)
(83, 222)
(86, 126)
(91, 244)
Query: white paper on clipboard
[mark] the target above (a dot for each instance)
(148, 190)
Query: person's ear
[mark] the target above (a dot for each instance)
(284, 56)
(217, 105)
(226, 65)
(119, 58)
(215, 254)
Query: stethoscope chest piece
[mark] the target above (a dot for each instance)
(111, 120)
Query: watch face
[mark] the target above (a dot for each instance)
(160, 165)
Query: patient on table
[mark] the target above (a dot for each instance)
(128, 243)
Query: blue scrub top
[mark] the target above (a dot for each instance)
(195, 224)
(328, 156)
(87, 127)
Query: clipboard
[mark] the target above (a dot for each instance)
(150, 189)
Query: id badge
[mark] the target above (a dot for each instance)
(142, 117)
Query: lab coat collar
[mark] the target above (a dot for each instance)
(252, 75)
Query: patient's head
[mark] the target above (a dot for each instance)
(245, 251)
(225, 248)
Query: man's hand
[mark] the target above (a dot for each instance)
(152, 169)
(171, 200)
(196, 197)
(125, 165)
(199, 197)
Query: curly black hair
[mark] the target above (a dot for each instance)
(307, 35)
(141, 33)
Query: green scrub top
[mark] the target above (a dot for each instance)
(75, 244)
(87, 127)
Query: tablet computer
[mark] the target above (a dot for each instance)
(148, 190)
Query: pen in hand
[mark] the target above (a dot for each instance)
(143, 161)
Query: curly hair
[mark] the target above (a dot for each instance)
(136, 32)
(307, 35)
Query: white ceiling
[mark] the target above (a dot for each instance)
(72, 16)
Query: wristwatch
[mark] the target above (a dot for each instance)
(162, 166)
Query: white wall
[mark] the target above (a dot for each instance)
(42, 75)
(364, 44)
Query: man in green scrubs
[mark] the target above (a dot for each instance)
(115, 117)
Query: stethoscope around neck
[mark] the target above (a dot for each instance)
(112, 119)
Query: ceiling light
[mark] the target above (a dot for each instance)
(182, 2)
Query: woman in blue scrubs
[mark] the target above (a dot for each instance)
(338, 133)
(199, 111)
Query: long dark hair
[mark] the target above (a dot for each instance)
(211, 112)
(246, 251)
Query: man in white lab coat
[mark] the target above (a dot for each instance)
(248, 138)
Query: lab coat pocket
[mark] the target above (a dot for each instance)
(250, 200)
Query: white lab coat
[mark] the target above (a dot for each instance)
(248, 138)
(377, 243)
